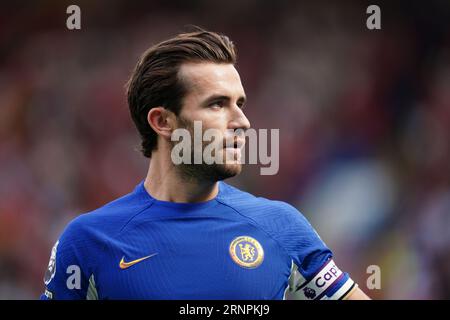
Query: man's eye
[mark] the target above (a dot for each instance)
(216, 104)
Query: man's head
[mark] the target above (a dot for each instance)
(188, 78)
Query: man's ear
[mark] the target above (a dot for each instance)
(162, 121)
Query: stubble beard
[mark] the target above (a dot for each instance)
(204, 172)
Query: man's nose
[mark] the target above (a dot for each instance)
(238, 119)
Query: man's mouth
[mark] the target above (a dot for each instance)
(236, 143)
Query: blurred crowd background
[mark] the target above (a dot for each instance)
(364, 119)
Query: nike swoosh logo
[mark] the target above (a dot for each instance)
(125, 265)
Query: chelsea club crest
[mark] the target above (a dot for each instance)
(246, 252)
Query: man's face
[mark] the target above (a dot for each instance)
(215, 97)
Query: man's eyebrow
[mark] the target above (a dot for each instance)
(218, 97)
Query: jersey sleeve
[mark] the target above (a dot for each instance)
(314, 274)
(68, 275)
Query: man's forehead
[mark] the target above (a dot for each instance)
(208, 77)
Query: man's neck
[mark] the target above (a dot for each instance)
(164, 182)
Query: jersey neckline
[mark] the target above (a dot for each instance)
(179, 205)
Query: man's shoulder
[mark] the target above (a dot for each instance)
(260, 209)
(108, 219)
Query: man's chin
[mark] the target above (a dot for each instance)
(212, 172)
(229, 170)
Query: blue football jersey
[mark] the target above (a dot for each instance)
(235, 246)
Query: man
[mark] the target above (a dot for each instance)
(183, 233)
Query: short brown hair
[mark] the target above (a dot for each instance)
(154, 81)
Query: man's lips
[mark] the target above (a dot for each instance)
(236, 143)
